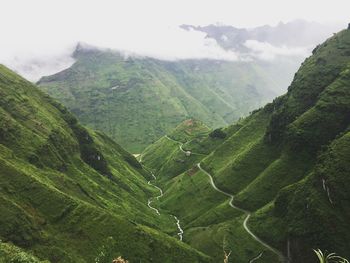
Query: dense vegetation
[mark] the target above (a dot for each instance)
(137, 100)
(288, 163)
(67, 191)
(71, 194)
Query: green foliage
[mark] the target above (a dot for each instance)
(107, 252)
(329, 258)
(218, 133)
(89, 152)
(132, 161)
(288, 163)
(138, 100)
(165, 155)
(12, 254)
(60, 206)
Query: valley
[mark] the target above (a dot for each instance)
(248, 214)
(128, 157)
(245, 222)
(155, 95)
(260, 165)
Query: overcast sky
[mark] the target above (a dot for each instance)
(50, 28)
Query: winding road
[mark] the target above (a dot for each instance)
(281, 257)
(245, 222)
(181, 145)
(256, 258)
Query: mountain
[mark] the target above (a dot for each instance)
(280, 181)
(71, 194)
(297, 33)
(270, 187)
(136, 100)
(155, 95)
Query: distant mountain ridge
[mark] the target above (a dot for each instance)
(287, 163)
(136, 99)
(155, 95)
(297, 33)
(270, 187)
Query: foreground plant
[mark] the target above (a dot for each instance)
(329, 258)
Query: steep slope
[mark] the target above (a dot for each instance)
(11, 253)
(154, 95)
(67, 192)
(170, 155)
(271, 47)
(287, 164)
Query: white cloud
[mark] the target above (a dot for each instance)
(43, 30)
(35, 67)
(36, 59)
(170, 43)
(224, 38)
(266, 51)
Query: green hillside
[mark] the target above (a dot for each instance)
(69, 193)
(167, 158)
(138, 100)
(287, 164)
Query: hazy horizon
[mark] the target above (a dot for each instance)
(42, 40)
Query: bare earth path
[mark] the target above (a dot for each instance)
(281, 257)
(245, 223)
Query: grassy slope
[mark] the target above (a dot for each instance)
(65, 189)
(304, 216)
(154, 96)
(165, 156)
(13, 254)
(275, 153)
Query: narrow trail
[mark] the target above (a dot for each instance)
(181, 145)
(256, 258)
(245, 223)
(281, 257)
(149, 202)
(178, 142)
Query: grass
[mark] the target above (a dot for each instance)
(138, 100)
(9, 253)
(65, 189)
(286, 162)
(331, 257)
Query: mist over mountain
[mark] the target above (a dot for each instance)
(292, 40)
(297, 33)
(271, 186)
(139, 99)
(216, 84)
(281, 174)
(146, 131)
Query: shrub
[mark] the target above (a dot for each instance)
(132, 161)
(329, 258)
(218, 133)
(89, 152)
(107, 253)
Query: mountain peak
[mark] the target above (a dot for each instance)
(83, 48)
